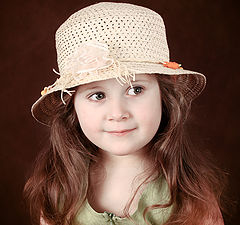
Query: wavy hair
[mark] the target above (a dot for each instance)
(59, 183)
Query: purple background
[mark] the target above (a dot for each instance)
(203, 35)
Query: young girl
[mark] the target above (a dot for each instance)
(118, 150)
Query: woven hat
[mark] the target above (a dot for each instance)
(110, 40)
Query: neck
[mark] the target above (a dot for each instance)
(130, 166)
(126, 161)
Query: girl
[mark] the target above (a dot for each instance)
(118, 151)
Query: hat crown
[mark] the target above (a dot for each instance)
(132, 33)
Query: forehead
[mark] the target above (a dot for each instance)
(147, 78)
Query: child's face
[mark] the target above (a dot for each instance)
(105, 106)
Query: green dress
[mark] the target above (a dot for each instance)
(156, 192)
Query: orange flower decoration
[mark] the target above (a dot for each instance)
(44, 91)
(172, 65)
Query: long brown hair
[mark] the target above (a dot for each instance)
(60, 180)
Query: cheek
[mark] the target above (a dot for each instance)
(152, 118)
(150, 113)
(87, 119)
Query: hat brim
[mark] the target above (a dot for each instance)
(44, 108)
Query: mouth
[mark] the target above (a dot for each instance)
(121, 132)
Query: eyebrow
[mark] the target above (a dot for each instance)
(99, 86)
(91, 88)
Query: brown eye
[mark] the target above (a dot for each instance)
(135, 90)
(97, 96)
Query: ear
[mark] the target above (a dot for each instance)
(43, 222)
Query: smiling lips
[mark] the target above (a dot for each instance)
(121, 132)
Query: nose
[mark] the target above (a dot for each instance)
(117, 110)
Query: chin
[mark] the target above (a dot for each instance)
(120, 152)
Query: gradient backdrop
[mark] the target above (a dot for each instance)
(203, 35)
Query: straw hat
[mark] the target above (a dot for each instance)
(110, 40)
